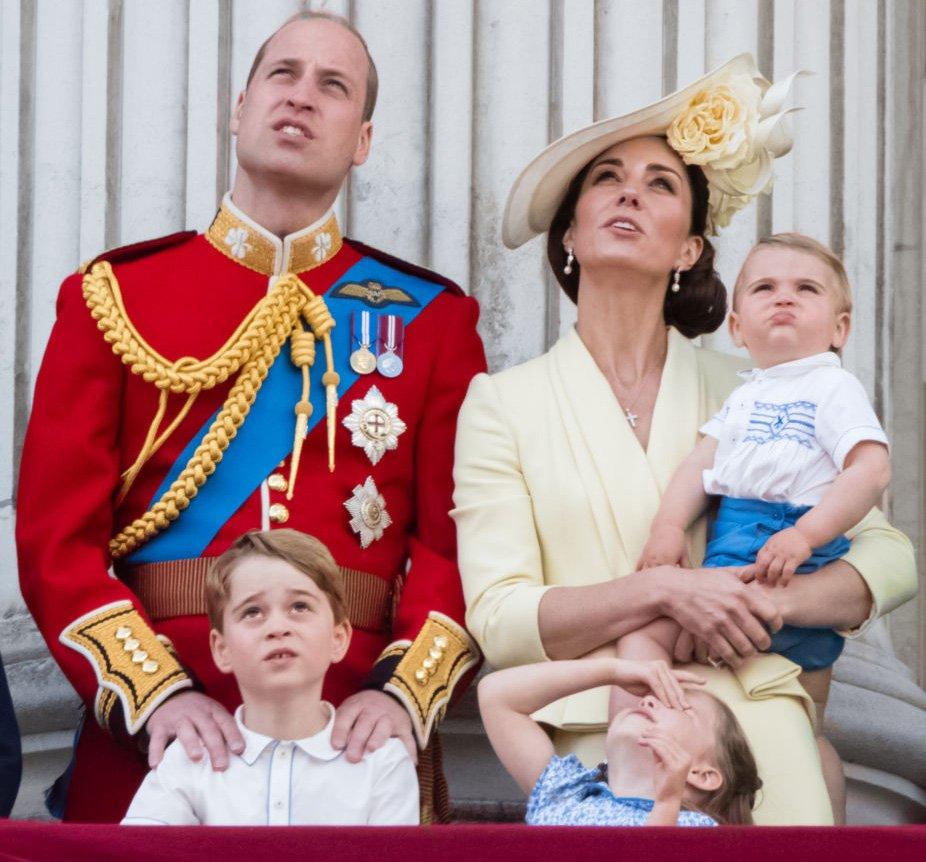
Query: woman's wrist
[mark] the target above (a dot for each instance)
(663, 587)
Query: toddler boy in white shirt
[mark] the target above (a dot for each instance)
(796, 455)
(276, 604)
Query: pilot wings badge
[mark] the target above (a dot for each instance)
(374, 293)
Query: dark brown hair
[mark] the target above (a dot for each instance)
(734, 800)
(318, 15)
(700, 305)
(302, 552)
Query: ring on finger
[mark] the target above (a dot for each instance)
(715, 662)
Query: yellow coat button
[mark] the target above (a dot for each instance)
(277, 482)
(279, 514)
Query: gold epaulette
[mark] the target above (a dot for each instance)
(133, 665)
(429, 670)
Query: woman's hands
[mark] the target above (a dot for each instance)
(666, 684)
(714, 606)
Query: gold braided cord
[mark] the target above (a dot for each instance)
(302, 352)
(253, 348)
(187, 374)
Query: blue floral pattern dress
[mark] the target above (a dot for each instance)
(569, 794)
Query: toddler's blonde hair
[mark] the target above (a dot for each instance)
(808, 245)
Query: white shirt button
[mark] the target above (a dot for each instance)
(281, 753)
(278, 803)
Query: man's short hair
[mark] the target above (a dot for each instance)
(808, 245)
(319, 15)
(303, 552)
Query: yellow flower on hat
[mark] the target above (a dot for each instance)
(718, 125)
(733, 130)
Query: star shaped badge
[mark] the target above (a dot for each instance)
(368, 513)
(374, 425)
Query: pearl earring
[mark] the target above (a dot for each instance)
(570, 257)
(676, 287)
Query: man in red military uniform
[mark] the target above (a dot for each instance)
(267, 372)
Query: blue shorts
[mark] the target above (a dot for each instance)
(741, 529)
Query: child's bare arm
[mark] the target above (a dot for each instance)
(866, 473)
(508, 697)
(856, 490)
(683, 501)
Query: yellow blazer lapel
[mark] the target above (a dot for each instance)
(608, 454)
(678, 411)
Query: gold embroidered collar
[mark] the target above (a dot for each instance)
(244, 241)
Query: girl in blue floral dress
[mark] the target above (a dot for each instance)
(677, 757)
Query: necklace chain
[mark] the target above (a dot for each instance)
(629, 415)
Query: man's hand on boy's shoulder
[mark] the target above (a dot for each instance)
(366, 720)
(197, 722)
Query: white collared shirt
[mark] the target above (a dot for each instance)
(783, 436)
(303, 782)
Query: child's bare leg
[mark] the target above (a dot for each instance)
(656, 640)
(817, 685)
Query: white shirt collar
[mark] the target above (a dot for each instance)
(318, 745)
(796, 366)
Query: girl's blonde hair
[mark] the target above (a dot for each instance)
(808, 245)
(734, 800)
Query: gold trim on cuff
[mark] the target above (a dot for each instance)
(395, 648)
(430, 669)
(129, 660)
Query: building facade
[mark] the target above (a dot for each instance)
(114, 128)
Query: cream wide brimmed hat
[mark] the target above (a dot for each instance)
(731, 123)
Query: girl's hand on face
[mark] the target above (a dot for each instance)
(643, 677)
(673, 764)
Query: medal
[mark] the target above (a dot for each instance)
(389, 362)
(362, 359)
(368, 515)
(374, 424)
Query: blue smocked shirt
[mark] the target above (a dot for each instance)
(569, 794)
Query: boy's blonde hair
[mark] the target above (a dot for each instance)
(808, 245)
(303, 552)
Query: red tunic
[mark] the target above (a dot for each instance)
(186, 295)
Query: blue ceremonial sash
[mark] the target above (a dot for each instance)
(266, 436)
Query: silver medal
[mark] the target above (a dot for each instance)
(389, 363)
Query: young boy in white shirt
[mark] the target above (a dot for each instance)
(275, 600)
(796, 455)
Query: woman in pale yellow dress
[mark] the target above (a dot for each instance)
(561, 461)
